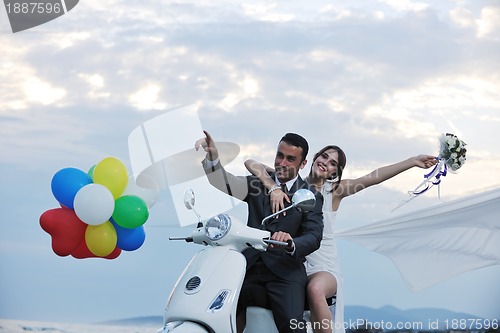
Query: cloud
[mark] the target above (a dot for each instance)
(489, 22)
(266, 12)
(405, 5)
(485, 24)
(146, 98)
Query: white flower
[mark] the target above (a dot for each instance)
(452, 150)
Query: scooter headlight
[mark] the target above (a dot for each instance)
(217, 226)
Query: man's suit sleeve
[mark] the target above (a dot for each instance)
(236, 186)
(311, 230)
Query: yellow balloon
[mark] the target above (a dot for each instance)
(101, 239)
(113, 174)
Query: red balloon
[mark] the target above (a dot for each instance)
(82, 252)
(65, 228)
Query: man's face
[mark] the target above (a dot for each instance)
(288, 161)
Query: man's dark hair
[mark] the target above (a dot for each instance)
(297, 141)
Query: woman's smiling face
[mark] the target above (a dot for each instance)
(325, 166)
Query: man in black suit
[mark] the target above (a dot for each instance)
(280, 269)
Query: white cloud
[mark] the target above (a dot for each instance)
(40, 91)
(442, 99)
(462, 17)
(96, 83)
(452, 93)
(266, 12)
(405, 5)
(21, 87)
(229, 101)
(488, 25)
(68, 39)
(338, 13)
(146, 98)
(248, 88)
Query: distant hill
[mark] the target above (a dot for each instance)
(136, 321)
(428, 318)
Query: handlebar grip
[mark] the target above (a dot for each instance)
(187, 239)
(272, 241)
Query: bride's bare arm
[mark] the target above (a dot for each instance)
(351, 186)
(262, 171)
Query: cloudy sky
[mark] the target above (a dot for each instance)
(382, 79)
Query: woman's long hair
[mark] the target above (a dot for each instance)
(337, 177)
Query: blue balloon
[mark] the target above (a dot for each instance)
(129, 239)
(66, 183)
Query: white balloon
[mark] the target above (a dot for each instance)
(94, 204)
(145, 188)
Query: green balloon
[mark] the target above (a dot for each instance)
(91, 172)
(130, 211)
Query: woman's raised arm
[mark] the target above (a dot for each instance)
(262, 172)
(351, 186)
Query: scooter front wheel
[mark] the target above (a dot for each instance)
(182, 327)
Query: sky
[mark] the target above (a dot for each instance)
(382, 79)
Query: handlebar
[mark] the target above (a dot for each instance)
(275, 242)
(187, 239)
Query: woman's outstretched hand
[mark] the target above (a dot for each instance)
(425, 161)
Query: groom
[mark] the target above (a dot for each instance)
(280, 269)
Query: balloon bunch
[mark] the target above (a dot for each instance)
(102, 211)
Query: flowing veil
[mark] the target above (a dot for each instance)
(433, 244)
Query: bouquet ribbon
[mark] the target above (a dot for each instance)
(430, 179)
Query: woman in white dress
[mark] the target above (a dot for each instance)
(322, 266)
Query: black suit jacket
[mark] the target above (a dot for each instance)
(306, 228)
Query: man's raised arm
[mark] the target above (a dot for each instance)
(224, 181)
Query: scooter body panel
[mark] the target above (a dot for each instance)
(208, 289)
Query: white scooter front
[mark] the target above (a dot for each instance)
(205, 297)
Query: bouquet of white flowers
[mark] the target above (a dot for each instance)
(452, 150)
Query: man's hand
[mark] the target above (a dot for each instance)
(283, 237)
(208, 144)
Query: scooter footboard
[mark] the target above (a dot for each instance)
(184, 327)
(262, 320)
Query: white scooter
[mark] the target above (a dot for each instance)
(205, 297)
